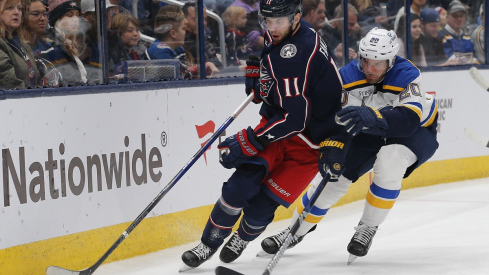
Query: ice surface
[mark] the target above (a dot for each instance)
(441, 229)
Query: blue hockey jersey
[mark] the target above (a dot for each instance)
(398, 96)
(300, 87)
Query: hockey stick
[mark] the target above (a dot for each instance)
(220, 270)
(55, 270)
(476, 75)
(477, 138)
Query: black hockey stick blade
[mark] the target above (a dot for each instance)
(221, 270)
(476, 137)
(478, 78)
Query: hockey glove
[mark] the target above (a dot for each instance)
(238, 148)
(332, 155)
(362, 119)
(252, 74)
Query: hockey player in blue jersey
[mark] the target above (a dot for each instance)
(299, 88)
(394, 124)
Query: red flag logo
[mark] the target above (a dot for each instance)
(203, 130)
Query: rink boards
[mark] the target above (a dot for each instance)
(78, 169)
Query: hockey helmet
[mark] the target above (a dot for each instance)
(279, 8)
(378, 44)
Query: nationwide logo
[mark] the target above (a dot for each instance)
(59, 177)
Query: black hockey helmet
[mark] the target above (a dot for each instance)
(280, 8)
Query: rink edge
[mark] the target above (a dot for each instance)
(80, 250)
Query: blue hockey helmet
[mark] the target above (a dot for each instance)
(280, 8)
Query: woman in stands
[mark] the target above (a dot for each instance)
(123, 36)
(33, 31)
(17, 66)
(64, 16)
(417, 51)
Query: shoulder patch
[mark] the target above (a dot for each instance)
(288, 51)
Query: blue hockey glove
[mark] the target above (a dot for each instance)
(252, 74)
(239, 148)
(332, 155)
(357, 118)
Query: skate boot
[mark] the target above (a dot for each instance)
(196, 256)
(271, 245)
(233, 248)
(361, 241)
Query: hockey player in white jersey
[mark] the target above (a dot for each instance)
(394, 124)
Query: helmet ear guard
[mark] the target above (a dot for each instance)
(378, 44)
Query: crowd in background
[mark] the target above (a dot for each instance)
(56, 43)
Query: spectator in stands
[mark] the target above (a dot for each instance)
(309, 10)
(254, 33)
(237, 47)
(33, 31)
(477, 38)
(89, 52)
(334, 33)
(123, 36)
(417, 51)
(321, 18)
(64, 17)
(17, 67)
(456, 43)
(33, 27)
(416, 7)
(170, 29)
(443, 16)
(432, 45)
(191, 36)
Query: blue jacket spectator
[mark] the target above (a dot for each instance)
(456, 43)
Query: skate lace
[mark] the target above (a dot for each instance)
(237, 244)
(364, 233)
(202, 251)
(280, 237)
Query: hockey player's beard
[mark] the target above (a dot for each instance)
(289, 33)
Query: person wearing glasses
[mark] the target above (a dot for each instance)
(33, 26)
(18, 69)
(456, 43)
(33, 30)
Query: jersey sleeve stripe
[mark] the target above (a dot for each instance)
(393, 88)
(431, 117)
(356, 83)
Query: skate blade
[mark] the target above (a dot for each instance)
(262, 253)
(185, 268)
(351, 258)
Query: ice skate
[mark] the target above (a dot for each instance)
(233, 248)
(361, 241)
(196, 256)
(272, 244)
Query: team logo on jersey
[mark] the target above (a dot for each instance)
(288, 51)
(266, 84)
